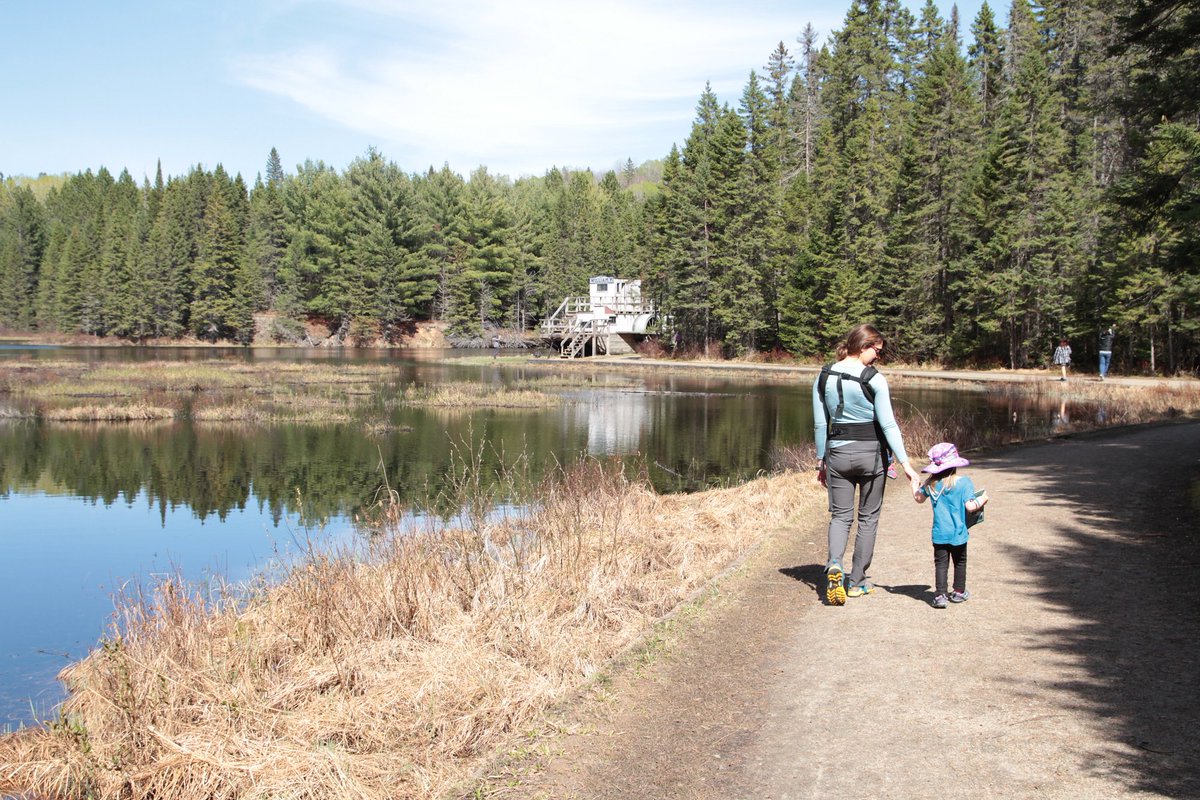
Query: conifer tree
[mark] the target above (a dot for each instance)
(1026, 222)
(693, 281)
(485, 281)
(212, 315)
(736, 254)
(115, 299)
(438, 250)
(573, 247)
(315, 278)
(987, 60)
(22, 245)
(932, 239)
(665, 241)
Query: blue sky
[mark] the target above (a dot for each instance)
(517, 86)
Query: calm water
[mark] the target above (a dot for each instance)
(87, 511)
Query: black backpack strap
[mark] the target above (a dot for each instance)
(869, 392)
(822, 382)
(864, 382)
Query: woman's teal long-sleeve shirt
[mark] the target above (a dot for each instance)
(856, 408)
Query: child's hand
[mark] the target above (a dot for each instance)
(982, 498)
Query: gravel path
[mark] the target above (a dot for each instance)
(1071, 672)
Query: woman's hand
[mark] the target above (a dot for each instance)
(821, 473)
(914, 477)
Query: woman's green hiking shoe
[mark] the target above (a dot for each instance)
(860, 590)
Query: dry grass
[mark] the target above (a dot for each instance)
(218, 391)
(108, 413)
(389, 675)
(476, 395)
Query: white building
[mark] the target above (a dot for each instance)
(610, 319)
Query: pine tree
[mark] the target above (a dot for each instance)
(931, 239)
(437, 249)
(1023, 210)
(212, 309)
(804, 102)
(485, 281)
(117, 303)
(315, 277)
(987, 61)
(22, 245)
(736, 253)
(573, 249)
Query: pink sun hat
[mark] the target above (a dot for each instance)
(944, 456)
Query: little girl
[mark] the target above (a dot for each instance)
(953, 496)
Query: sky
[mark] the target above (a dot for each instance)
(518, 86)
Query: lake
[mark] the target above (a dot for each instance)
(88, 511)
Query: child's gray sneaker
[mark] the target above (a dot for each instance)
(960, 597)
(940, 601)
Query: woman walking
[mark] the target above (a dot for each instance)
(856, 435)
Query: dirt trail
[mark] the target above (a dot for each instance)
(1071, 672)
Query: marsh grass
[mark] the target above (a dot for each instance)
(476, 395)
(108, 413)
(211, 391)
(389, 672)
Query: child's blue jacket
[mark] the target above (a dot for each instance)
(950, 510)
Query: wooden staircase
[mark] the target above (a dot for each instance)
(576, 340)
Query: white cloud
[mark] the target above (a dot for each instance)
(522, 85)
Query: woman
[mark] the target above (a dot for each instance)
(855, 431)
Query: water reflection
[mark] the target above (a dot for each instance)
(615, 423)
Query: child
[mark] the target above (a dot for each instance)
(953, 495)
(1062, 357)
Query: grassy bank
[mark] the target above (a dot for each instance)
(388, 675)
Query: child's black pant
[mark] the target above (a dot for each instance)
(942, 555)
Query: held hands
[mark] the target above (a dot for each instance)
(914, 477)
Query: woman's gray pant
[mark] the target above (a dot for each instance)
(854, 465)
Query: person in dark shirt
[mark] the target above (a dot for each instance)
(1106, 342)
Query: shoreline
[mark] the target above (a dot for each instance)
(638, 361)
(1027, 376)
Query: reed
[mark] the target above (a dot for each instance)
(391, 672)
(476, 395)
(108, 413)
(211, 391)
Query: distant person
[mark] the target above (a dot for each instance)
(1062, 357)
(1106, 342)
(495, 345)
(855, 431)
(954, 499)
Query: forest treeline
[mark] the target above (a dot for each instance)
(975, 193)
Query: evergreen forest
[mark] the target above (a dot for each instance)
(975, 190)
